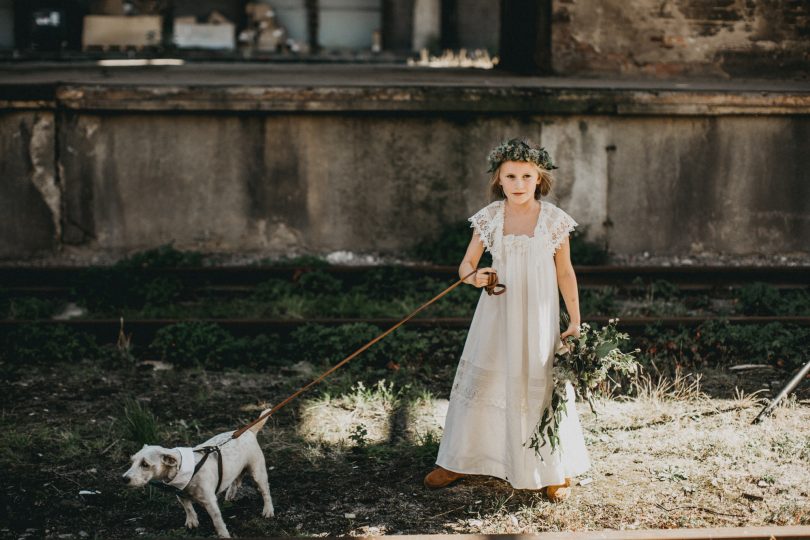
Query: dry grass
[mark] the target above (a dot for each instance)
(669, 457)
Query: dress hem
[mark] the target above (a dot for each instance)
(459, 470)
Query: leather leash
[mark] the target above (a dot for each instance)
(492, 287)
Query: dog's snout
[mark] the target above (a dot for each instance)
(125, 479)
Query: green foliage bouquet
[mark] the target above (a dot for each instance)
(585, 363)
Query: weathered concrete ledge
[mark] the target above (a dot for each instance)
(313, 88)
(528, 100)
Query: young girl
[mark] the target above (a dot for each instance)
(504, 379)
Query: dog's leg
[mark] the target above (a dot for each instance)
(258, 471)
(192, 520)
(233, 488)
(209, 502)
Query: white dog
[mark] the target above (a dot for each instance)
(200, 474)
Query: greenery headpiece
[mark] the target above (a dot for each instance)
(519, 150)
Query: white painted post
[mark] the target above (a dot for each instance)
(427, 19)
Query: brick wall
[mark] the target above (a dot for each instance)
(671, 38)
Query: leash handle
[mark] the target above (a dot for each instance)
(491, 288)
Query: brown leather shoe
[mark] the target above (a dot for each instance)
(441, 477)
(559, 492)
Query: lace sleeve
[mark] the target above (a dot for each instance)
(561, 225)
(484, 223)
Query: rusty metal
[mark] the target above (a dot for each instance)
(50, 280)
(146, 328)
(789, 387)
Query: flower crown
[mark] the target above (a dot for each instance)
(519, 150)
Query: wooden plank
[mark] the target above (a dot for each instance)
(717, 533)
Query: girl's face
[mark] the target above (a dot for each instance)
(518, 180)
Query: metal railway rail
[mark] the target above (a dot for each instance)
(59, 280)
(146, 328)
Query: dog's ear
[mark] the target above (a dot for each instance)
(168, 460)
(144, 446)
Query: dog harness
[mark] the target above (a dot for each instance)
(207, 451)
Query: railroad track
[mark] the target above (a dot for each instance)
(108, 329)
(59, 280)
(227, 280)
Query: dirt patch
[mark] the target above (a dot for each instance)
(349, 458)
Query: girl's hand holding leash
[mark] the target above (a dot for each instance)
(481, 277)
(487, 278)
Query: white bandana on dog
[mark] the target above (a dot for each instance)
(186, 469)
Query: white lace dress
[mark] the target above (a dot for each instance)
(503, 381)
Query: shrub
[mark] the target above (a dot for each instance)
(48, 342)
(199, 344)
(320, 344)
(319, 283)
(447, 246)
(601, 301)
(191, 344)
(664, 289)
(718, 342)
(584, 252)
(272, 289)
(783, 345)
(759, 299)
(125, 285)
(164, 256)
(30, 307)
(764, 299)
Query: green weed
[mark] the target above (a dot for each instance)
(140, 423)
(359, 436)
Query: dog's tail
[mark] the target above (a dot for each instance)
(255, 428)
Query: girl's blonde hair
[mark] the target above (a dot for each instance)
(543, 188)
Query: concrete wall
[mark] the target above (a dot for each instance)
(275, 182)
(687, 185)
(373, 182)
(681, 37)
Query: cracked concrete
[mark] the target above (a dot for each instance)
(29, 194)
(43, 175)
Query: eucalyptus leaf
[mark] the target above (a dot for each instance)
(591, 358)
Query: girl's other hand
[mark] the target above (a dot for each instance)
(481, 277)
